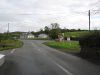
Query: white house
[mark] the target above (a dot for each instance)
(30, 36)
(26, 35)
(43, 36)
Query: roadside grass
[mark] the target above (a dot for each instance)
(10, 44)
(38, 39)
(72, 46)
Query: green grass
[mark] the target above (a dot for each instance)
(10, 44)
(39, 39)
(75, 34)
(72, 46)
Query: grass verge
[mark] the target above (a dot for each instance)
(10, 44)
(72, 46)
(39, 39)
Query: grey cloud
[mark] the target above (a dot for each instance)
(34, 13)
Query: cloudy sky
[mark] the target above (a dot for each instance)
(31, 15)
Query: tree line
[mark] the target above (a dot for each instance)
(53, 30)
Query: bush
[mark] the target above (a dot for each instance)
(90, 44)
(74, 38)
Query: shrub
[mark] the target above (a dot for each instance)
(90, 44)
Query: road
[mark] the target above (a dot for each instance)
(34, 58)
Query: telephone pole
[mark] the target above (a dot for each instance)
(89, 14)
(8, 28)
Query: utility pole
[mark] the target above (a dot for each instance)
(89, 14)
(8, 28)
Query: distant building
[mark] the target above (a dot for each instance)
(23, 35)
(26, 35)
(43, 36)
(30, 36)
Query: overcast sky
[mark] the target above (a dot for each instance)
(31, 15)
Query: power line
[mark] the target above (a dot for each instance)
(89, 13)
(8, 28)
(33, 14)
(94, 12)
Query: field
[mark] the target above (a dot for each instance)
(72, 46)
(10, 44)
(75, 34)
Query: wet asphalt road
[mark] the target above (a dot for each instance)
(35, 58)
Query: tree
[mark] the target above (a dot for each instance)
(33, 32)
(41, 31)
(64, 30)
(79, 29)
(46, 30)
(55, 26)
(55, 30)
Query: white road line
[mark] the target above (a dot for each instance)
(61, 67)
(13, 51)
(65, 70)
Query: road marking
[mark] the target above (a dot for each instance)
(65, 70)
(13, 51)
(61, 67)
(35, 45)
